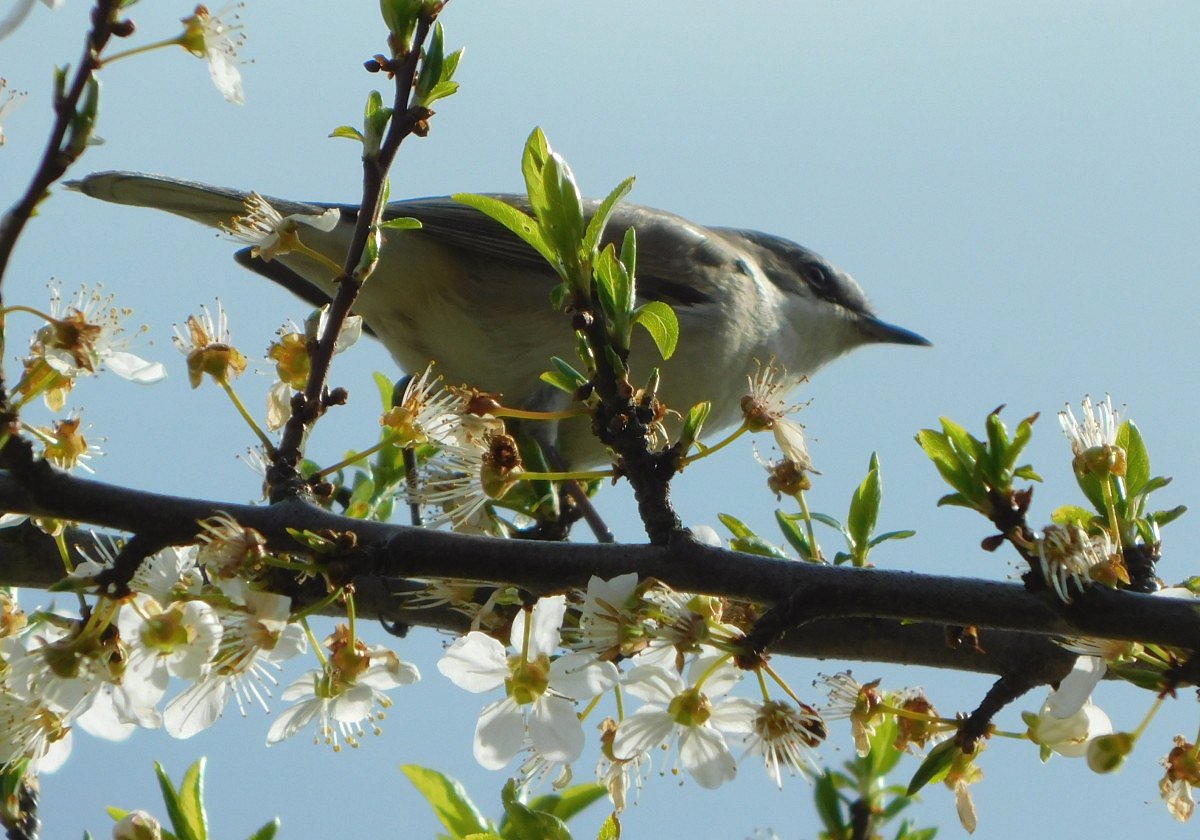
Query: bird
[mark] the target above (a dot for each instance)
(465, 293)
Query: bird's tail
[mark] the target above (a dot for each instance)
(212, 206)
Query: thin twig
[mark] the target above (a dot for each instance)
(284, 479)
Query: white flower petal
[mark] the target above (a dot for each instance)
(196, 708)
(736, 714)
(704, 754)
(555, 730)
(580, 678)
(654, 683)
(135, 368)
(500, 734)
(292, 719)
(1076, 687)
(641, 732)
(544, 632)
(476, 662)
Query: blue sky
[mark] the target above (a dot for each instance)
(1016, 182)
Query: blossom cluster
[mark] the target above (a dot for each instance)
(671, 651)
(193, 614)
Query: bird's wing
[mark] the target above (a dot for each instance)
(209, 205)
(670, 249)
(673, 253)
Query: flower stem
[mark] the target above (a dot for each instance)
(705, 451)
(259, 433)
(312, 640)
(523, 414)
(565, 476)
(177, 41)
(1137, 733)
(817, 557)
(352, 459)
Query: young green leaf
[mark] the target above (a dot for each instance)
(864, 512)
(175, 812)
(659, 320)
(191, 799)
(267, 832)
(571, 801)
(599, 220)
(451, 804)
(402, 223)
(513, 219)
(935, 766)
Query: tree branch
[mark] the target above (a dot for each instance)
(854, 597)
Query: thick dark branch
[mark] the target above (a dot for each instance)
(400, 551)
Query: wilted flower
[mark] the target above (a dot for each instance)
(206, 345)
(271, 234)
(1094, 438)
(345, 693)
(766, 407)
(860, 703)
(15, 97)
(210, 37)
(1069, 558)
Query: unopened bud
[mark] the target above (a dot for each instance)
(1108, 752)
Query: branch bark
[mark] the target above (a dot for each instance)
(862, 614)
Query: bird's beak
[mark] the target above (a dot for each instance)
(885, 333)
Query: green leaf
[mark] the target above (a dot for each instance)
(611, 829)
(402, 223)
(599, 220)
(1139, 676)
(1162, 517)
(523, 823)
(513, 219)
(796, 537)
(562, 218)
(735, 525)
(946, 458)
(693, 424)
(891, 535)
(829, 806)
(451, 804)
(1027, 472)
(349, 132)
(884, 756)
(825, 519)
(557, 380)
(864, 512)
(191, 799)
(571, 801)
(659, 320)
(175, 812)
(564, 367)
(1137, 459)
(935, 766)
(758, 547)
(533, 161)
(267, 832)
(1072, 515)
(956, 500)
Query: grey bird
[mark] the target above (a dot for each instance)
(467, 294)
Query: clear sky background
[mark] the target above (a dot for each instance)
(1018, 182)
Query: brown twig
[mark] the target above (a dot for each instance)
(56, 159)
(406, 120)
